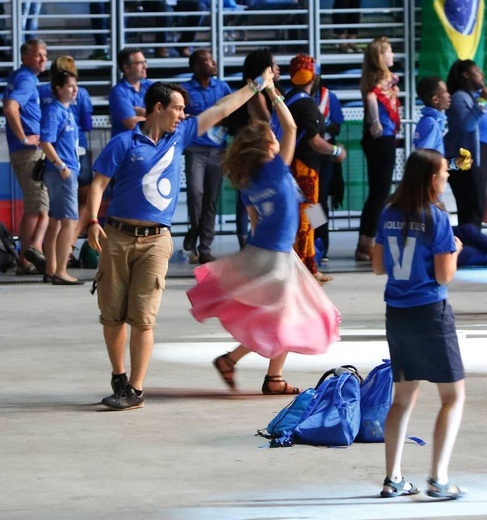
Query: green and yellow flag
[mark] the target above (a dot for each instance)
(450, 30)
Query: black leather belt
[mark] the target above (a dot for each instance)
(136, 231)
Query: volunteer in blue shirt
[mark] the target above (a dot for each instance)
(416, 249)
(82, 110)
(59, 141)
(126, 101)
(203, 156)
(23, 114)
(135, 245)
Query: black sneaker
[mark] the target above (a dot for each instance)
(119, 382)
(128, 400)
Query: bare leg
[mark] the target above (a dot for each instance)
(141, 344)
(63, 248)
(276, 364)
(115, 338)
(238, 353)
(405, 395)
(50, 245)
(448, 421)
(273, 382)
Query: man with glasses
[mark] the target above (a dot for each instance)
(126, 100)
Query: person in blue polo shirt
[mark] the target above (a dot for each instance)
(203, 156)
(59, 141)
(126, 101)
(23, 114)
(82, 109)
(135, 244)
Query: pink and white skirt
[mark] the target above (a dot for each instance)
(268, 301)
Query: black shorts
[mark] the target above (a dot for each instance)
(423, 343)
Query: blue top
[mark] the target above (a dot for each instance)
(200, 99)
(146, 174)
(483, 129)
(81, 107)
(463, 116)
(59, 128)
(336, 112)
(274, 194)
(22, 87)
(429, 130)
(123, 98)
(410, 270)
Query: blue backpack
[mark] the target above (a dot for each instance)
(375, 401)
(333, 416)
(328, 414)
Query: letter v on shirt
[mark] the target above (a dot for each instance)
(402, 270)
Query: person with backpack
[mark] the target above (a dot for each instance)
(264, 295)
(416, 249)
(307, 158)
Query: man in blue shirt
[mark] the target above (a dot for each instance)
(23, 114)
(135, 246)
(203, 156)
(126, 100)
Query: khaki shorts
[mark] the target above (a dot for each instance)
(131, 277)
(34, 194)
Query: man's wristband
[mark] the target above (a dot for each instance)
(61, 166)
(25, 140)
(92, 221)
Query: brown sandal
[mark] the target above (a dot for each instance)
(323, 278)
(288, 389)
(226, 368)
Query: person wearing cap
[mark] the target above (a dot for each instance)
(311, 146)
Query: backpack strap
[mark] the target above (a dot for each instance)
(289, 102)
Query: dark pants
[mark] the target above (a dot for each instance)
(474, 250)
(325, 177)
(99, 24)
(469, 187)
(381, 157)
(203, 181)
(340, 18)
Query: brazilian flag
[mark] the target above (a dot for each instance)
(451, 30)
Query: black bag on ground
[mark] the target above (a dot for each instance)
(8, 251)
(39, 168)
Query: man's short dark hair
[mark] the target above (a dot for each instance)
(124, 56)
(195, 57)
(426, 88)
(161, 93)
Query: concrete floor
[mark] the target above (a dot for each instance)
(192, 453)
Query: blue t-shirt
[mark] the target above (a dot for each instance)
(81, 107)
(147, 175)
(123, 98)
(59, 128)
(429, 130)
(410, 270)
(22, 87)
(274, 194)
(200, 99)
